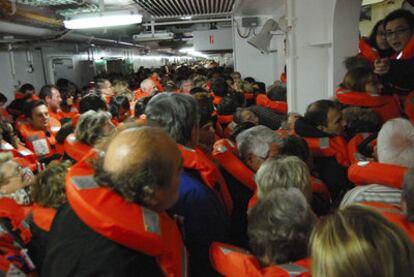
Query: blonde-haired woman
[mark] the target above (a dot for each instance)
(357, 241)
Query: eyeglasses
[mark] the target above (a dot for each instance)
(398, 32)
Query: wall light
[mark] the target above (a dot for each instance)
(103, 19)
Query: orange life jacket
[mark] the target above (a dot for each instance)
(222, 122)
(17, 214)
(216, 99)
(230, 261)
(75, 149)
(138, 94)
(22, 155)
(385, 106)
(409, 106)
(70, 114)
(225, 152)
(366, 51)
(157, 83)
(38, 142)
(283, 77)
(43, 217)
(108, 214)
(319, 187)
(278, 106)
(56, 115)
(393, 214)
(407, 52)
(248, 95)
(354, 155)
(364, 173)
(329, 147)
(195, 159)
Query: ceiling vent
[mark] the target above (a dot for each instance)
(177, 8)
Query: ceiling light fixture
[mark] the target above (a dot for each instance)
(103, 19)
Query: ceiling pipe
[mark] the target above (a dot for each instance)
(186, 22)
(37, 34)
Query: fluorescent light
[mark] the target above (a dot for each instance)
(103, 19)
(190, 51)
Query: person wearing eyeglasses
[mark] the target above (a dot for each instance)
(398, 71)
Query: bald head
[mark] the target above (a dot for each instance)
(134, 146)
(141, 162)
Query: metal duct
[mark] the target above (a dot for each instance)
(176, 8)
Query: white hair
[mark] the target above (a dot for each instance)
(396, 143)
(256, 141)
(147, 84)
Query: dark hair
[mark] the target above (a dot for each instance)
(228, 105)
(206, 107)
(46, 91)
(197, 90)
(92, 101)
(140, 106)
(30, 106)
(250, 80)
(219, 87)
(118, 102)
(356, 78)
(261, 87)
(277, 93)
(372, 39)
(317, 112)
(177, 113)
(354, 62)
(400, 13)
(296, 146)
(3, 98)
(26, 87)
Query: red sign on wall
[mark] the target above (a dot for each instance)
(211, 39)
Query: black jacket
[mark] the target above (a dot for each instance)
(76, 250)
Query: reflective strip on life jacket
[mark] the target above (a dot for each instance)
(329, 147)
(22, 155)
(364, 173)
(14, 262)
(108, 214)
(353, 152)
(278, 106)
(408, 51)
(222, 152)
(195, 159)
(233, 261)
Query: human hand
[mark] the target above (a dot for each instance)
(382, 66)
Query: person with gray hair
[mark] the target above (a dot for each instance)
(395, 146)
(396, 143)
(258, 144)
(200, 203)
(91, 127)
(186, 86)
(283, 172)
(280, 226)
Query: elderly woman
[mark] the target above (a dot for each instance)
(14, 180)
(283, 172)
(280, 226)
(91, 127)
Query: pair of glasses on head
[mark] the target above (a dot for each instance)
(397, 32)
